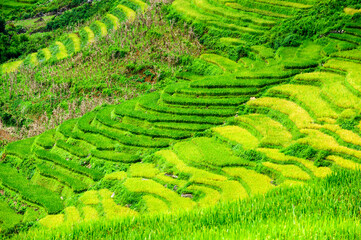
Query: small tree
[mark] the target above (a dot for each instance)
(2, 25)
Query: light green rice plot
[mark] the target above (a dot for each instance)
(90, 198)
(143, 6)
(353, 78)
(230, 190)
(34, 59)
(155, 205)
(296, 113)
(116, 176)
(47, 53)
(111, 209)
(187, 9)
(76, 41)
(195, 173)
(89, 213)
(232, 41)
(276, 155)
(129, 13)
(72, 215)
(114, 20)
(211, 197)
(90, 33)
(151, 187)
(146, 170)
(346, 135)
(258, 183)
(291, 183)
(333, 88)
(62, 53)
(103, 28)
(11, 67)
(344, 163)
(52, 221)
(238, 135)
(206, 151)
(288, 171)
(169, 180)
(273, 132)
(309, 96)
(325, 142)
(224, 63)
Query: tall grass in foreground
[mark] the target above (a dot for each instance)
(324, 209)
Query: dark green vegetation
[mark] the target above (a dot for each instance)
(249, 112)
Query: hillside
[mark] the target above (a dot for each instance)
(216, 113)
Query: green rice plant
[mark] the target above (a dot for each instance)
(286, 3)
(227, 81)
(275, 154)
(149, 102)
(263, 52)
(353, 81)
(72, 215)
(191, 12)
(126, 110)
(288, 171)
(344, 135)
(344, 163)
(42, 154)
(75, 150)
(256, 10)
(229, 13)
(146, 170)
(111, 209)
(116, 176)
(46, 140)
(89, 213)
(238, 135)
(90, 198)
(151, 187)
(272, 132)
(62, 52)
(353, 54)
(196, 173)
(296, 113)
(231, 41)
(333, 89)
(11, 66)
(211, 197)
(76, 41)
(75, 184)
(224, 63)
(52, 221)
(143, 6)
(183, 126)
(154, 204)
(129, 13)
(102, 27)
(8, 217)
(184, 89)
(91, 35)
(115, 156)
(309, 96)
(114, 20)
(322, 141)
(21, 149)
(104, 116)
(207, 152)
(33, 193)
(258, 183)
(34, 59)
(346, 37)
(182, 100)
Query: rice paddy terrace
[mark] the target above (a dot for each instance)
(277, 118)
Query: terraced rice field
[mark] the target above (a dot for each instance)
(204, 139)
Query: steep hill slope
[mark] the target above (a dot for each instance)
(233, 126)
